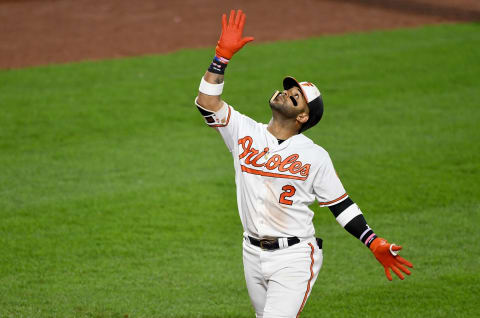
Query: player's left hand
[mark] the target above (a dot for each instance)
(387, 255)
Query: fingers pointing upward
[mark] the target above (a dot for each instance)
(231, 39)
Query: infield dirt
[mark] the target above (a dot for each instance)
(35, 32)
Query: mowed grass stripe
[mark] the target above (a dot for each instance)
(116, 199)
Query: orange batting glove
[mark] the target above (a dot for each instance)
(386, 254)
(231, 38)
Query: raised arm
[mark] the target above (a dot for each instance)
(230, 42)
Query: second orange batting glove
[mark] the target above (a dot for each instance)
(387, 255)
(231, 38)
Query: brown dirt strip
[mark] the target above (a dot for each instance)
(38, 32)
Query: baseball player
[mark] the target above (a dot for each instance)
(279, 172)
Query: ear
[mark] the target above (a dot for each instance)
(302, 118)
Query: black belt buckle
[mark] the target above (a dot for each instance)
(268, 245)
(261, 244)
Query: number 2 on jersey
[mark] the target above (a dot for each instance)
(289, 192)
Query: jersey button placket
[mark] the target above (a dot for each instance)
(260, 209)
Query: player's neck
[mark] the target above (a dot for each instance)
(282, 129)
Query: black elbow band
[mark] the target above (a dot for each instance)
(340, 207)
(357, 226)
(208, 115)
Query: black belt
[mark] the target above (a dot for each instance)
(272, 244)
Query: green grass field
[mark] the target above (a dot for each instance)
(116, 199)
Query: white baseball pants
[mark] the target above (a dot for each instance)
(280, 281)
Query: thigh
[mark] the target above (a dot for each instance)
(290, 285)
(256, 283)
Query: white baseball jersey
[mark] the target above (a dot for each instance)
(276, 182)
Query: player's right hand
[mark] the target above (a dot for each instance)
(231, 38)
(387, 255)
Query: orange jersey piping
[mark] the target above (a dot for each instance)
(309, 281)
(333, 201)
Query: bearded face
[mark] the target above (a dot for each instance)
(288, 103)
